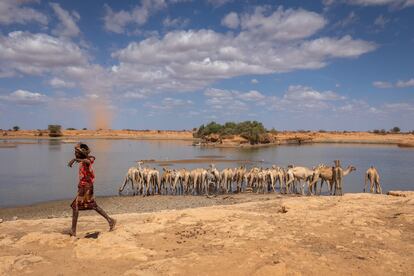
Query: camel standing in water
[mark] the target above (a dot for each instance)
(373, 176)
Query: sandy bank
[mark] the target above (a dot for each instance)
(360, 234)
(285, 137)
(102, 134)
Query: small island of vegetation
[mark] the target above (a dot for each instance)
(247, 132)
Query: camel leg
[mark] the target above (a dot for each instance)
(320, 189)
(123, 185)
(302, 187)
(378, 187)
(371, 184)
(332, 187)
(280, 184)
(365, 182)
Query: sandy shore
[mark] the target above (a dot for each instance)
(358, 234)
(285, 137)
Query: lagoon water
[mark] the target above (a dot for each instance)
(33, 173)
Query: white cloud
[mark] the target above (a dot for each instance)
(357, 107)
(117, 21)
(405, 84)
(282, 24)
(37, 53)
(398, 84)
(382, 84)
(168, 104)
(225, 100)
(253, 96)
(328, 2)
(392, 3)
(13, 11)
(218, 3)
(175, 22)
(381, 21)
(305, 93)
(67, 26)
(140, 94)
(232, 101)
(398, 107)
(193, 59)
(254, 81)
(350, 19)
(25, 97)
(60, 83)
(396, 3)
(231, 20)
(297, 98)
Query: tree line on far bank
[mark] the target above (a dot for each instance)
(52, 130)
(253, 131)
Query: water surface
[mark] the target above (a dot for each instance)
(32, 173)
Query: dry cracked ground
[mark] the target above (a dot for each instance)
(357, 234)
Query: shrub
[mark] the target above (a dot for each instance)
(250, 130)
(16, 128)
(55, 130)
(84, 128)
(376, 131)
(71, 128)
(395, 130)
(273, 131)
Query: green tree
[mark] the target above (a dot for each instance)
(395, 130)
(250, 130)
(55, 130)
(16, 128)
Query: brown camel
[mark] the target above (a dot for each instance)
(324, 173)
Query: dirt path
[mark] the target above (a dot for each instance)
(356, 234)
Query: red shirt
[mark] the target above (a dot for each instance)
(86, 174)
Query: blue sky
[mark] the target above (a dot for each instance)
(175, 64)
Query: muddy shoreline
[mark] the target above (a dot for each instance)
(129, 204)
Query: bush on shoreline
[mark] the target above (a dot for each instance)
(55, 130)
(252, 131)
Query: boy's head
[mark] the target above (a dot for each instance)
(82, 151)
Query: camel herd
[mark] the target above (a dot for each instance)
(147, 181)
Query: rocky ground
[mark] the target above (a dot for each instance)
(357, 234)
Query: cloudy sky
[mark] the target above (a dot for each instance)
(174, 64)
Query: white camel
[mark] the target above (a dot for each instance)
(373, 176)
(300, 174)
(213, 177)
(226, 177)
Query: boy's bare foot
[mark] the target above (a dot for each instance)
(72, 233)
(112, 225)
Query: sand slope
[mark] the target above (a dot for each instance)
(356, 234)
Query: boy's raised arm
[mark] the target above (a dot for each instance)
(86, 160)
